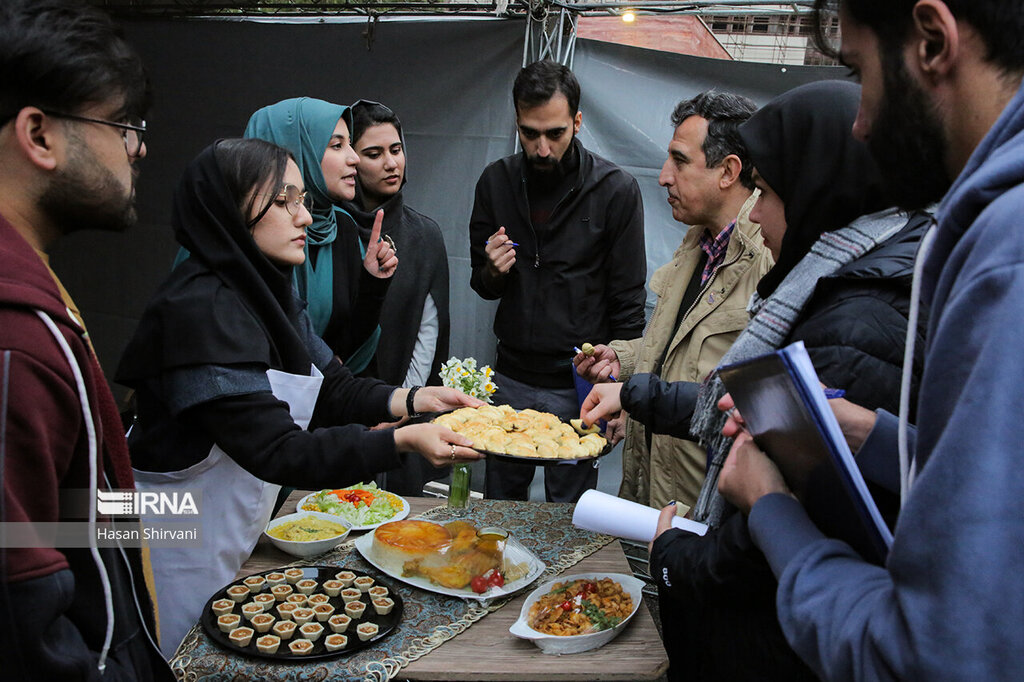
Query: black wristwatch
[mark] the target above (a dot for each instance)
(409, 399)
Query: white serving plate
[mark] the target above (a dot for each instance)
(307, 548)
(402, 513)
(574, 644)
(515, 553)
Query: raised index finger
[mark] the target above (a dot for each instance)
(378, 220)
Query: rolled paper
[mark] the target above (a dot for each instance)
(604, 513)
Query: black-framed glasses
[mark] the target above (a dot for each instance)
(132, 134)
(292, 198)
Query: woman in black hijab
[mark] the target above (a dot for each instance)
(841, 284)
(414, 318)
(229, 374)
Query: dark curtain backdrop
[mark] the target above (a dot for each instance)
(448, 80)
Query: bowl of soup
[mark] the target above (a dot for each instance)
(305, 534)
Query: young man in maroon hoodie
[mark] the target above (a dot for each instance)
(72, 96)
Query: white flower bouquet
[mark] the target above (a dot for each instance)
(466, 377)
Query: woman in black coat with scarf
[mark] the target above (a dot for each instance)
(414, 317)
(841, 284)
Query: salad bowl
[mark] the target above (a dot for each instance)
(362, 506)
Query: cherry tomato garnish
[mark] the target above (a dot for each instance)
(354, 497)
(478, 584)
(496, 579)
(565, 606)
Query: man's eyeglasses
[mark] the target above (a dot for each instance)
(132, 134)
(292, 198)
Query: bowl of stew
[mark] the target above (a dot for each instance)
(578, 612)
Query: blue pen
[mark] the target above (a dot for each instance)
(489, 241)
(833, 393)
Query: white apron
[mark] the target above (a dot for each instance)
(235, 507)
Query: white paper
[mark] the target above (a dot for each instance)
(604, 513)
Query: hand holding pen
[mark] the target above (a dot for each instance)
(501, 253)
(600, 366)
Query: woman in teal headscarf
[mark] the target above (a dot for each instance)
(343, 281)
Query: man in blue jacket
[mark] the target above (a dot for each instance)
(941, 99)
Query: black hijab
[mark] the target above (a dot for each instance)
(801, 144)
(227, 304)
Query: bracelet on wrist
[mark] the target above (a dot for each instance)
(410, 399)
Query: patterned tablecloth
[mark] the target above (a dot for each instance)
(428, 620)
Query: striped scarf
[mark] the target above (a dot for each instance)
(768, 329)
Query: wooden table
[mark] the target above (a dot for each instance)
(486, 651)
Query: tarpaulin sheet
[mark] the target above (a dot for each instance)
(450, 83)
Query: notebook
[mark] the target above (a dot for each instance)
(785, 409)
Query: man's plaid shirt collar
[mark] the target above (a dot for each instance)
(715, 248)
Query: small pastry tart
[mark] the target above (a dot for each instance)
(355, 609)
(378, 592)
(306, 586)
(350, 594)
(293, 575)
(275, 579)
(315, 600)
(268, 644)
(263, 622)
(335, 642)
(264, 600)
(238, 593)
(323, 612)
(383, 605)
(367, 631)
(302, 616)
(297, 599)
(363, 582)
(333, 587)
(345, 577)
(228, 622)
(301, 647)
(311, 631)
(281, 592)
(222, 607)
(339, 623)
(284, 629)
(241, 636)
(251, 610)
(255, 583)
(286, 610)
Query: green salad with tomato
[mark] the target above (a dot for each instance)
(360, 504)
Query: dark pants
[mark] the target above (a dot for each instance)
(562, 482)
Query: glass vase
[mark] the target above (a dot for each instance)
(458, 491)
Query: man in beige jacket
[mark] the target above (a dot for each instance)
(702, 292)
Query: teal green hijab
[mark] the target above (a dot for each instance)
(304, 127)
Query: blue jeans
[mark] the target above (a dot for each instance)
(562, 482)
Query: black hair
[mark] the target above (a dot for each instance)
(368, 114)
(724, 113)
(538, 82)
(1000, 23)
(65, 55)
(249, 165)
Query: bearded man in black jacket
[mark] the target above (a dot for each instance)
(557, 235)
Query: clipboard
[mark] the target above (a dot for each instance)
(786, 412)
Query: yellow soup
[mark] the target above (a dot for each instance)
(307, 528)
